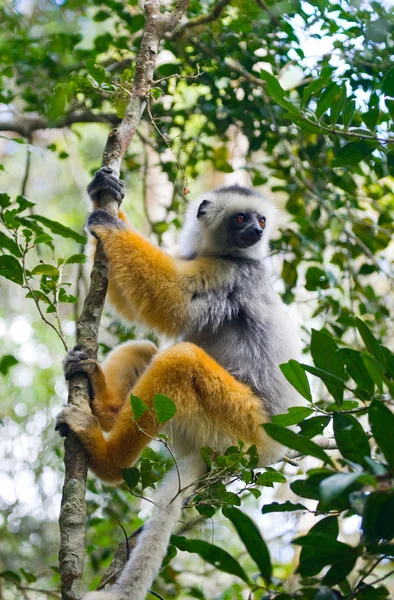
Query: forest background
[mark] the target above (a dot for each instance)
(296, 99)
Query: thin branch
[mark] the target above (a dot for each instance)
(25, 126)
(238, 68)
(27, 171)
(201, 20)
(26, 285)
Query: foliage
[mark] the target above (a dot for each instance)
(308, 89)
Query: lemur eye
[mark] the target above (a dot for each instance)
(240, 218)
(262, 222)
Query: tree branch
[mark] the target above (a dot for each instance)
(73, 507)
(201, 20)
(25, 126)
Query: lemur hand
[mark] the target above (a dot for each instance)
(77, 361)
(105, 181)
(101, 218)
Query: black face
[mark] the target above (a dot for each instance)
(245, 229)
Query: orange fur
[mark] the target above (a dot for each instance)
(155, 285)
(213, 405)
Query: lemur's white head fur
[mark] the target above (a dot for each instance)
(209, 223)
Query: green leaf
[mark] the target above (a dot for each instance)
(24, 203)
(44, 269)
(131, 476)
(373, 593)
(378, 516)
(4, 200)
(381, 549)
(353, 152)
(324, 375)
(212, 554)
(351, 438)
(295, 375)
(296, 441)
(331, 94)
(11, 269)
(316, 279)
(325, 356)
(388, 83)
(370, 341)
(314, 426)
(164, 407)
(283, 507)
(320, 549)
(43, 238)
(348, 112)
(269, 477)
(334, 486)
(356, 368)
(76, 258)
(9, 244)
(30, 578)
(95, 71)
(381, 420)
(7, 362)
(12, 576)
(138, 406)
(58, 228)
(252, 540)
(294, 415)
(374, 369)
(206, 510)
(275, 90)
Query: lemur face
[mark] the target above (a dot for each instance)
(228, 221)
(245, 228)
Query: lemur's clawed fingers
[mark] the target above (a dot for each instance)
(105, 181)
(77, 361)
(74, 418)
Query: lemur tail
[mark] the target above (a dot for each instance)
(147, 557)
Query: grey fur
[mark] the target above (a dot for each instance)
(242, 322)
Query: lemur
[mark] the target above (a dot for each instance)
(222, 374)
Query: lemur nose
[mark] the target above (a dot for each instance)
(258, 232)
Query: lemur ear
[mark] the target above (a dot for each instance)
(202, 209)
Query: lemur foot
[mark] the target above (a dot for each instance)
(74, 418)
(105, 181)
(77, 361)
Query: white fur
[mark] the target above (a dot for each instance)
(197, 237)
(146, 558)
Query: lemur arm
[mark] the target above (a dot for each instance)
(162, 288)
(123, 308)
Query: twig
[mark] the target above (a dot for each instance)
(26, 125)
(168, 144)
(238, 68)
(201, 20)
(126, 539)
(27, 171)
(57, 292)
(156, 594)
(73, 506)
(26, 285)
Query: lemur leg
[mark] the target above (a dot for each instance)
(111, 383)
(213, 408)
